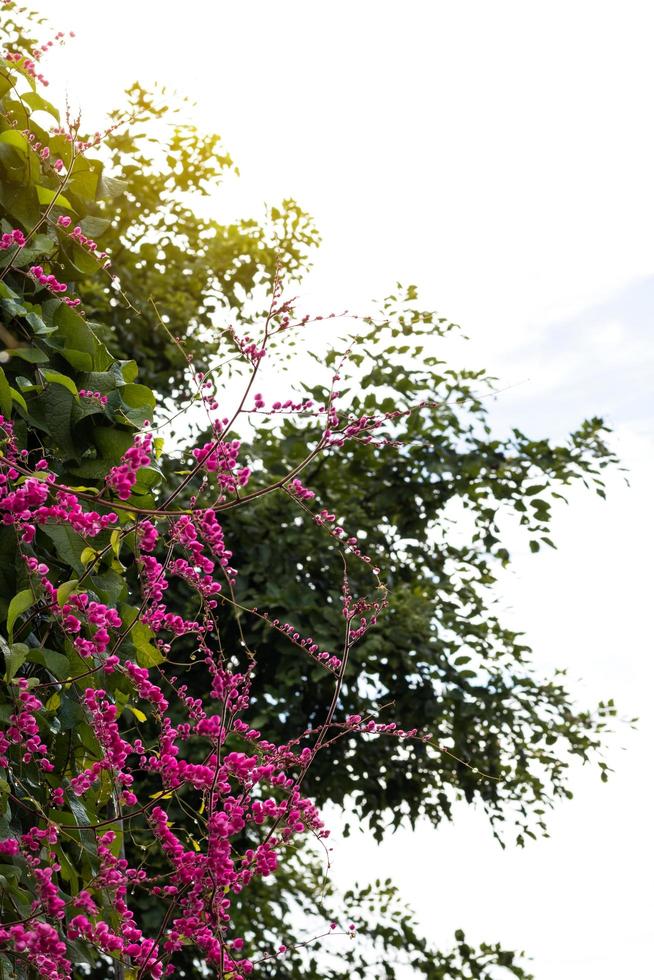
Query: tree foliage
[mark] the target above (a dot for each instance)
(163, 246)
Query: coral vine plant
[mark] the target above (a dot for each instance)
(88, 747)
(126, 704)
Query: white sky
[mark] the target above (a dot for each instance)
(500, 155)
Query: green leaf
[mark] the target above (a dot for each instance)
(5, 83)
(88, 555)
(53, 702)
(31, 354)
(94, 227)
(68, 544)
(138, 714)
(77, 359)
(18, 398)
(137, 396)
(112, 443)
(61, 379)
(77, 336)
(128, 369)
(20, 202)
(60, 147)
(51, 411)
(84, 262)
(92, 469)
(147, 477)
(5, 395)
(110, 187)
(66, 588)
(39, 104)
(139, 402)
(47, 196)
(14, 660)
(10, 871)
(12, 137)
(82, 818)
(146, 654)
(84, 179)
(103, 381)
(56, 663)
(74, 330)
(109, 586)
(68, 871)
(20, 602)
(141, 636)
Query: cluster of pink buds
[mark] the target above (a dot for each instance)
(59, 38)
(77, 235)
(325, 519)
(99, 397)
(79, 611)
(102, 714)
(306, 643)
(207, 390)
(49, 281)
(41, 945)
(36, 145)
(297, 488)
(221, 458)
(28, 65)
(289, 405)
(147, 691)
(248, 347)
(58, 165)
(379, 728)
(23, 729)
(122, 478)
(362, 611)
(81, 146)
(11, 239)
(130, 942)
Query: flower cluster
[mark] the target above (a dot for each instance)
(80, 610)
(23, 730)
(27, 65)
(50, 281)
(78, 236)
(40, 945)
(306, 643)
(122, 478)
(36, 146)
(97, 395)
(297, 488)
(221, 459)
(12, 239)
(252, 351)
(102, 715)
